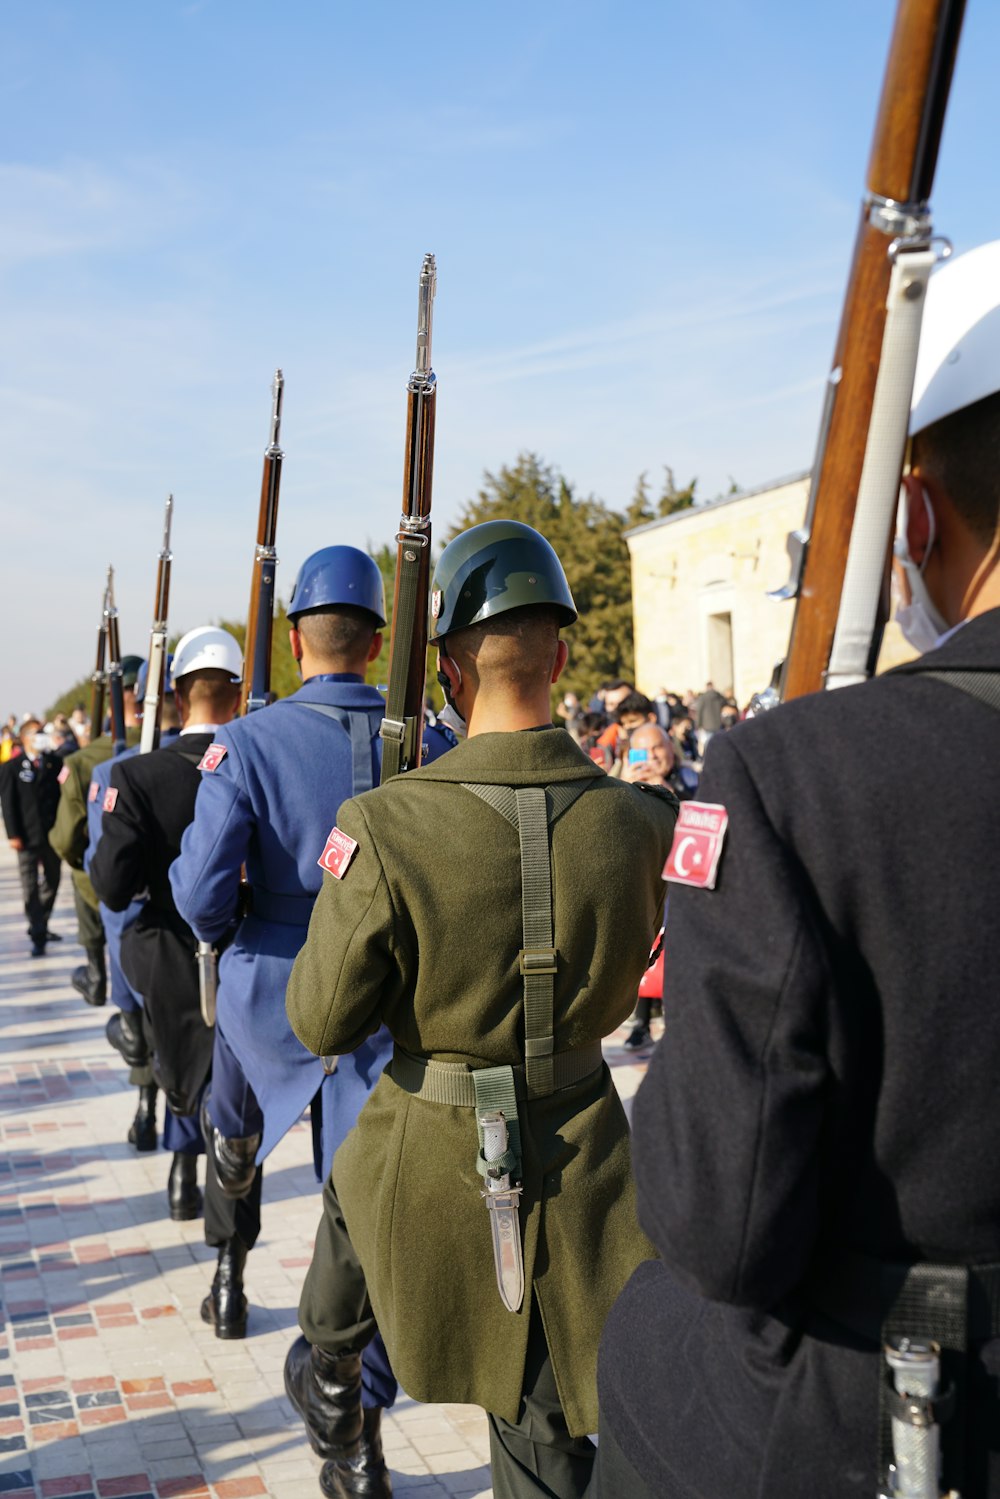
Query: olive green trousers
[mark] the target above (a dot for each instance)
(532, 1457)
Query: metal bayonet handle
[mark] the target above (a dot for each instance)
(207, 981)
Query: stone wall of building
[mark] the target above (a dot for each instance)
(700, 580)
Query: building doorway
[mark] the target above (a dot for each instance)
(720, 651)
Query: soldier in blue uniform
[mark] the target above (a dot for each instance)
(270, 792)
(125, 1030)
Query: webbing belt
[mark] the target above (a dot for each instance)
(952, 1305)
(357, 725)
(984, 686)
(454, 1082)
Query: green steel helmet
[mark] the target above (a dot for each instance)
(492, 568)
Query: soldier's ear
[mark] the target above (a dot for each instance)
(562, 656)
(295, 643)
(375, 647)
(918, 521)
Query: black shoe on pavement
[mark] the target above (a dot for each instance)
(639, 1038)
(38, 947)
(124, 1032)
(235, 1160)
(225, 1306)
(365, 1476)
(326, 1391)
(52, 937)
(142, 1133)
(183, 1192)
(91, 978)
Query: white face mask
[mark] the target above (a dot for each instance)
(921, 621)
(453, 720)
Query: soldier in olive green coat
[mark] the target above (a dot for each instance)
(421, 929)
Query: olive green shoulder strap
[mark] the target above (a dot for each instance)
(531, 810)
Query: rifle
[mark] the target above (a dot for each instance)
(260, 616)
(156, 671)
(99, 678)
(402, 727)
(257, 656)
(115, 686)
(863, 429)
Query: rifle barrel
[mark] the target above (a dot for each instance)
(900, 174)
(403, 723)
(260, 615)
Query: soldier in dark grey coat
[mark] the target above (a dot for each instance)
(822, 1114)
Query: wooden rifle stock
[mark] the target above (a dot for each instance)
(260, 615)
(156, 667)
(115, 686)
(402, 727)
(99, 678)
(900, 177)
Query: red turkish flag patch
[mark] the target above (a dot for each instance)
(697, 847)
(339, 852)
(213, 757)
(110, 798)
(63, 775)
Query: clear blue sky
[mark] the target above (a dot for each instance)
(642, 213)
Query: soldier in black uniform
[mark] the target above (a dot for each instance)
(821, 1116)
(29, 795)
(148, 805)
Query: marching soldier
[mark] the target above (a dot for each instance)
(148, 804)
(816, 1139)
(273, 783)
(69, 838)
(125, 1030)
(495, 911)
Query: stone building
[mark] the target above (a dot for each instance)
(700, 580)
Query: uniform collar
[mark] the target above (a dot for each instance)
(514, 759)
(333, 676)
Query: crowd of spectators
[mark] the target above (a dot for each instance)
(659, 740)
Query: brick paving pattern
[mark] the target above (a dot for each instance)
(111, 1387)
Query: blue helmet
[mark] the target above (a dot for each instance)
(142, 677)
(338, 575)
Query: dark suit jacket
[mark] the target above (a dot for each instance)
(154, 798)
(29, 796)
(827, 1082)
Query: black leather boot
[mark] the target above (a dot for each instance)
(124, 1031)
(142, 1133)
(234, 1159)
(91, 978)
(183, 1193)
(326, 1391)
(225, 1306)
(364, 1476)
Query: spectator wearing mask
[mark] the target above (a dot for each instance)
(29, 795)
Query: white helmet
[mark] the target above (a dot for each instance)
(207, 648)
(959, 359)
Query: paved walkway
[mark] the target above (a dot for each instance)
(110, 1384)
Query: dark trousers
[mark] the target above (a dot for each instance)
(89, 927)
(232, 1103)
(39, 871)
(335, 1313)
(614, 1476)
(228, 1218)
(536, 1455)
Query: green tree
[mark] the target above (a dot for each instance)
(588, 537)
(673, 499)
(640, 508)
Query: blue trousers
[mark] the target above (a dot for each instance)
(234, 1110)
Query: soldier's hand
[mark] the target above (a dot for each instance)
(17, 844)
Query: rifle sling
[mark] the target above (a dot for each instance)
(403, 624)
(357, 726)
